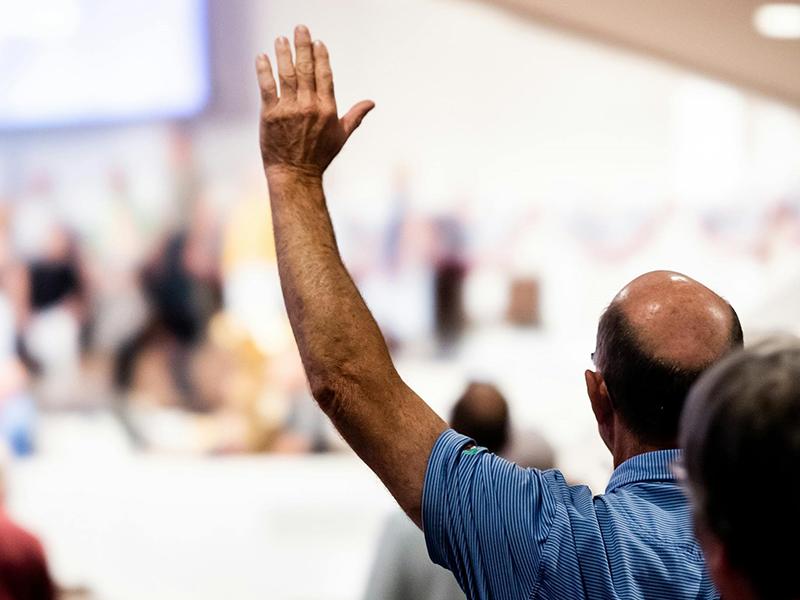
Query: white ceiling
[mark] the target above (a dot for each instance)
(714, 37)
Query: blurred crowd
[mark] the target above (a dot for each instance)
(129, 317)
(176, 325)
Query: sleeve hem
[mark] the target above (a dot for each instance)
(434, 505)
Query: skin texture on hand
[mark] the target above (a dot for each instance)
(300, 129)
(344, 354)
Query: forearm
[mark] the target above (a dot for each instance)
(344, 354)
(339, 342)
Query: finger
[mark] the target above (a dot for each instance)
(266, 81)
(355, 115)
(286, 74)
(323, 73)
(304, 59)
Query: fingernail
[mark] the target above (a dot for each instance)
(302, 28)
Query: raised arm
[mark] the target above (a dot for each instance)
(344, 355)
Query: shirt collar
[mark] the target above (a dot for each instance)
(650, 466)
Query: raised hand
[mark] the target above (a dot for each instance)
(300, 129)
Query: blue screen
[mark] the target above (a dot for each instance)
(68, 62)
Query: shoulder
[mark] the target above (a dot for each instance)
(657, 511)
(457, 465)
(471, 492)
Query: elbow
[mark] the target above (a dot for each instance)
(336, 390)
(331, 393)
(324, 394)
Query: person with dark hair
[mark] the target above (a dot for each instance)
(742, 419)
(481, 413)
(503, 530)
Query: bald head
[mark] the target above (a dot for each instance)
(677, 319)
(657, 336)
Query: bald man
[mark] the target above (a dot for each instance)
(504, 531)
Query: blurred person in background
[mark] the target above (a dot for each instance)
(55, 276)
(450, 270)
(53, 325)
(181, 285)
(24, 574)
(742, 421)
(54, 335)
(180, 282)
(395, 273)
(402, 568)
(504, 531)
(481, 413)
(161, 373)
(115, 253)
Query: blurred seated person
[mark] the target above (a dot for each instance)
(741, 437)
(24, 574)
(181, 285)
(55, 277)
(402, 569)
(53, 334)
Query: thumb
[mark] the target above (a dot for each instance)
(355, 115)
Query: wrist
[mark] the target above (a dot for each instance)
(279, 175)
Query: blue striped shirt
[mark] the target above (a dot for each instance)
(510, 533)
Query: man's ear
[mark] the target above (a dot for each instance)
(598, 395)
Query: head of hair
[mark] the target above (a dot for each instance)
(741, 438)
(481, 413)
(647, 391)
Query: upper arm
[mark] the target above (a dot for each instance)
(391, 429)
(486, 519)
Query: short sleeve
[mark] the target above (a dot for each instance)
(485, 519)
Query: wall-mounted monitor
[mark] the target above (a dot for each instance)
(71, 62)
